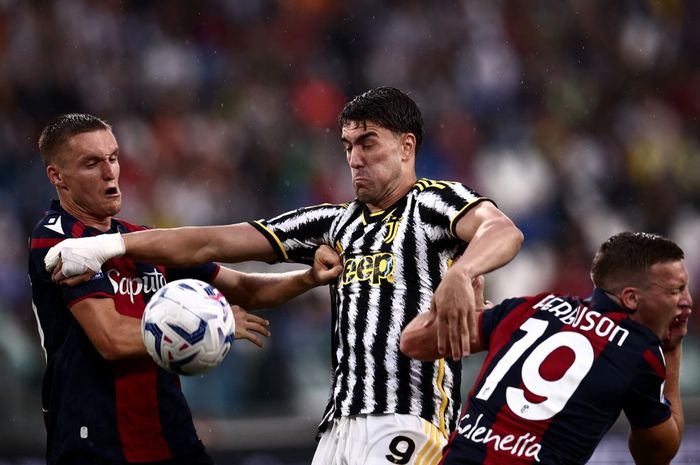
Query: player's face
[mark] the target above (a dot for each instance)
(665, 296)
(374, 154)
(86, 174)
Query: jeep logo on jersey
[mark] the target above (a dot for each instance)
(147, 283)
(374, 268)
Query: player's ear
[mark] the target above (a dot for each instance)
(408, 146)
(629, 296)
(55, 176)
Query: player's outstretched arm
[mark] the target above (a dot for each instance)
(659, 444)
(192, 245)
(264, 290)
(493, 241)
(176, 247)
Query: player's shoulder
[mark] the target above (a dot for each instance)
(322, 210)
(529, 305)
(124, 226)
(328, 206)
(56, 224)
(434, 193)
(548, 299)
(645, 338)
(426, 185)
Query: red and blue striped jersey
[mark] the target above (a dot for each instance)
(558, 372)
(128, 410)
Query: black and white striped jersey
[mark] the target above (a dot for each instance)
(393, 261)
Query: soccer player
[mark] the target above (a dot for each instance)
(560, 369)
(105, 401)
(407, 245)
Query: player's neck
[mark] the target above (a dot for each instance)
(103, 224)
(392, 196)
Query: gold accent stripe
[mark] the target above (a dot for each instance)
(428, 446)
(443, 396)
(460, 213)
(274, 236)
(431, 452)
(425, 183)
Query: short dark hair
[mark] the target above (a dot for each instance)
(62, 128)
(624, 259)
(389, 108)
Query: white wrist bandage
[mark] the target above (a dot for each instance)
(82, 254)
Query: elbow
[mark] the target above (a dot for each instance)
(668, 451)
(406, 347)
(513, 241)
(510, 237)
(520, 237)
(654, 451)
(419, 341)
(517, 237)
(110, 349)
(108, 353)
(655, 458)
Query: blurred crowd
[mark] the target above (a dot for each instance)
(580, 118)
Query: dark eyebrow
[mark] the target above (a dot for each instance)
(360, 139)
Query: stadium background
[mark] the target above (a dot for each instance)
(579, 117)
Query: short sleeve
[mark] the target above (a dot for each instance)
(444, 203)
(98, 286)
(296, 235)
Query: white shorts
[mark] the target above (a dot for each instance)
(380, 440)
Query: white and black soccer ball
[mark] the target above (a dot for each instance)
(188, 327)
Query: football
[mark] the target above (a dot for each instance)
(188, 327)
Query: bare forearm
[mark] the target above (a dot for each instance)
(264, 290)
(419, 340)
(495, 243)
(195, 245)
(126, 341)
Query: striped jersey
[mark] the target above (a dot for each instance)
(558, 372)
(127, 410)
(393, 261)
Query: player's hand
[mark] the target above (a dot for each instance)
(327, 265)
(480, 304)
(677, 330)
(58, 277)
(454, 305)
(247, 325)
(81, 255)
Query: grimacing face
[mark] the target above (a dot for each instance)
(664, 297)
(86, 175)
(374, 156)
